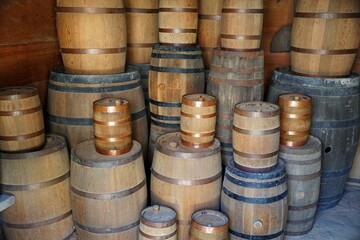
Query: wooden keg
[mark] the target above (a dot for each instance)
(303, 169)
(21, 119)
(39, 180)
(142, 24)
(256, 135)
(255, 203)
(295, 119)
(325, 37)
(335, 121)
(158, 222)
(209, 225)
(178, 21)
(112, 126)
(209, 18)
(107, 192)
(92, 36)
(241, 25)
(177, 182)
(235, 77)
(197, 121)
(354, 175)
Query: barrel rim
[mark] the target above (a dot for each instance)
(254, 114)
(162, 47)
(212, 212)
(146, 220)
(313, 145)
(34, 91)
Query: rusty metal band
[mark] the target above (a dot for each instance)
(225, 116)
(191, 10)
(178, 44)
(184, 182)
(318, 76)
(253, 155)
(194, 103)
(292, 143)
(109, 196)
(106, 230)
(257, 114)
(239, 83)
(89, 10)
(198, 116)
(182, 155)
(93, 50)
(293, 103)
(208, 134)
(241, 37)
(304, 177)
(240, 10)
(110, 124)
(142, 10)
(324, 51)
(20, 112)
(183, 222)
(326, 15)
(38, 224)
(241, 49)
(236, 70)
(22, 137)
(163, 237)
(20, 95)
(112, 139)
(299, 208)
(158, 224)
(255, 170)
(113, 152)
(141, 45)
(209, 17)
(295, 116)
(196, 145)
(176, 30)
(295, 133)
(308, 162)
(224, 127)
(111, 109)
(256, 132)
(209, 230)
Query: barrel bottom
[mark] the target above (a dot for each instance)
(131, 234)
(329, 202)
(235, 236)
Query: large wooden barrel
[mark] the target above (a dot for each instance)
(178, 21)
(92, 36)
(335, 121)
(303, 168)
(71, 97)
(235, 77)
(21, 119)
(142, 25)
(354, 175)
(241, 25)
(177, 182)
(39, 181)
(209, 17)
(107, 192)
(325, 37)
(255, 203)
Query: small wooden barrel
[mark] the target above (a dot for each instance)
(39, 181)
(198, 119)
(21, 119)
(177, 182)
(142, 24)
(209, 225)
(158, 222)
(112, 126)
(354, 175)
(92, 36)
(303, 168)
(325, 37)
(241, 25)
(256, 135)
(295, 119)
(255, 203)
(208, 37)
(107, 192)
(178, 21)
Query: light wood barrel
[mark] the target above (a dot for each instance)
(21, 119)
(142, 24)
(325, 37)
(39, 181)
(92, 36)
(209, 225)
(158, 222)
(209, 17)
(112, 126)
(107, 192)
(241, 25)
(303, 169)
(198, 119)
(178, 21)
(295, 118)
(256, 135)
(255, 203)
(177, 182)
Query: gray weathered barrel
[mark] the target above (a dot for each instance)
(335, 122)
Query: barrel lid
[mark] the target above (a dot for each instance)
(294, 100)
(199, 100)
(210, 218)
(14, 93)
(111, 105)
(257, 109)
(313, 145)
(158, 214)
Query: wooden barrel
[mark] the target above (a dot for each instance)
(177, 182)
(241, 25)
(107, 192)
(39, 181)
(209, 225)
(255, 203)
(158, 222)
(295, 119)
(21, 119)
(198, 119)
(142, 24)
(354, 175)
(178, 21)
(71, 97)
(92, 36)
(256, 136)
(112, 126)
(335, 121)
(325, 37)
(208, 37)
(303, 169)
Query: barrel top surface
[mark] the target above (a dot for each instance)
(177, 48)
(111, 105)
(313, 145)
(199, 100)
(13, 93)
(210, 218)
(257, 109)
(294, 100)
(158, 214)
